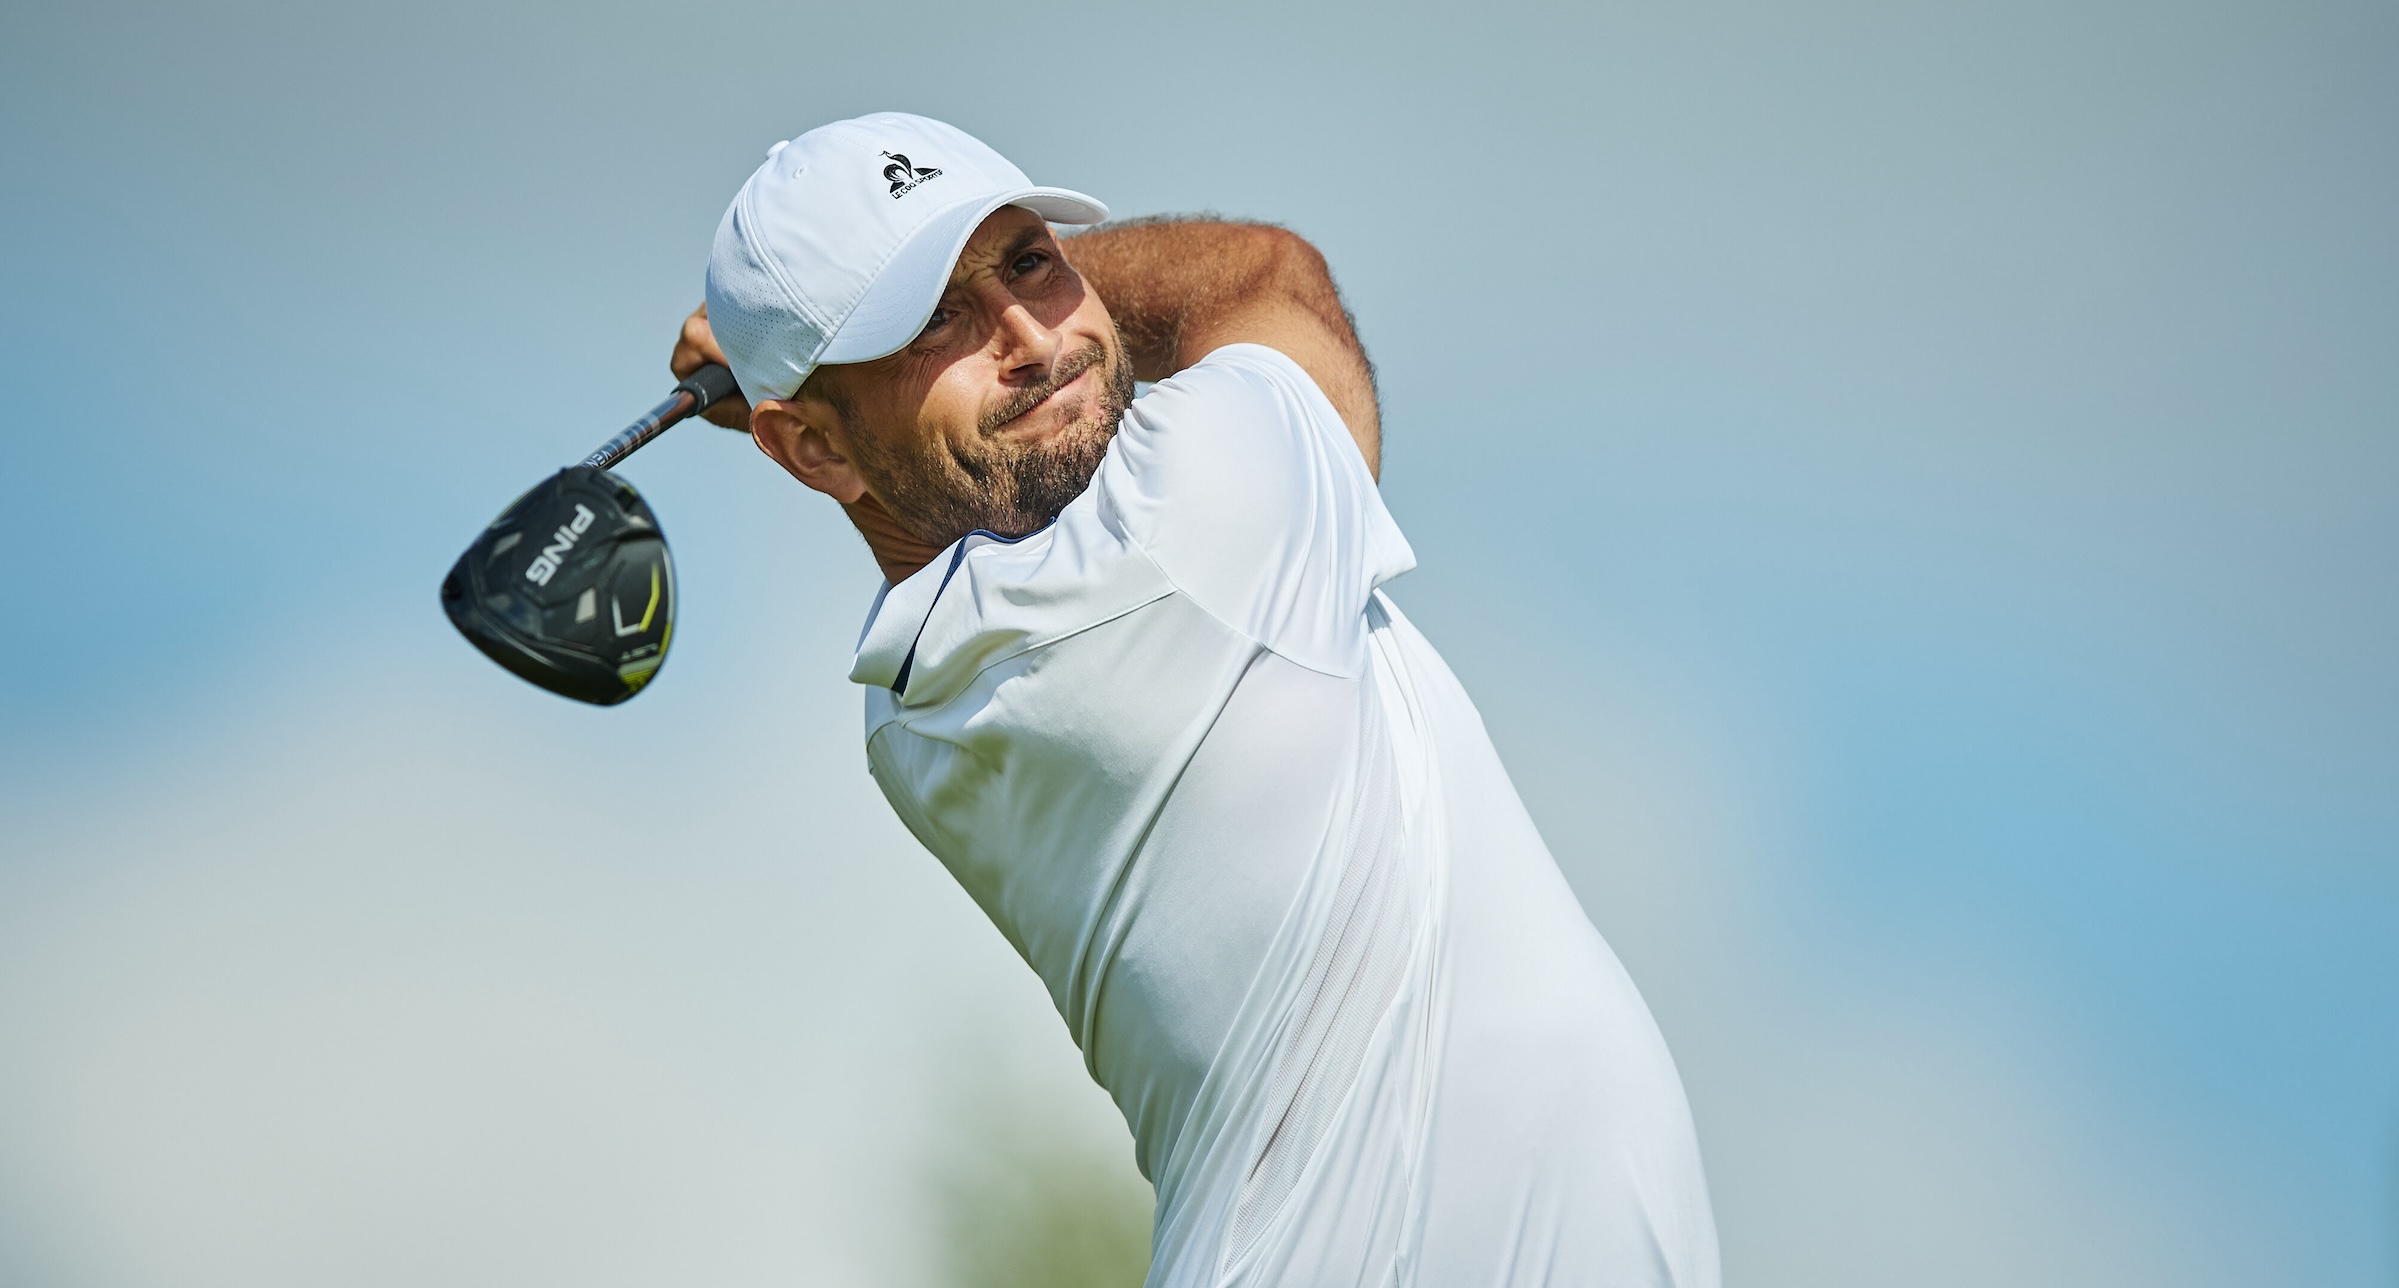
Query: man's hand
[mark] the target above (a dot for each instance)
(897, 551)
(1181, 288)
(696, 348)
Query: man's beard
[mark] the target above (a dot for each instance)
(940, 491)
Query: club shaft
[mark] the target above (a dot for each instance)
(653, 423)
(696, 394)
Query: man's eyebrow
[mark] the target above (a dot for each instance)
(1024, 239)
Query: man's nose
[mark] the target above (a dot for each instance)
(1027, 349)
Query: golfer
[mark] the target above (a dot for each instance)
(1133, 679)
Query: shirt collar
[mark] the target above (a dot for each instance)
(899, 612)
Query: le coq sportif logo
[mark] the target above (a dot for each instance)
(904, 175)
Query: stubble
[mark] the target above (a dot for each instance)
(941, 491)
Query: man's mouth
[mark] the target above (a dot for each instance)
(1011, 414)
(1059, 393)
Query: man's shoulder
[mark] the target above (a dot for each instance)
(1242, 430)
(1241, 377)
(1242, 482)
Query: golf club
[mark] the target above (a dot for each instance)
(572, 587)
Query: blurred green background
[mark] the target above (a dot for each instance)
(1911, 488)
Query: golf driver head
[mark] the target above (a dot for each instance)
(571, 588)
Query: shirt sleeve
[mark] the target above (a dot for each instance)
(1244, 486)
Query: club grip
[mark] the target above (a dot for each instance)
(709, 386)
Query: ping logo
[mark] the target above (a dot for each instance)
(903, 175)
(562, 543)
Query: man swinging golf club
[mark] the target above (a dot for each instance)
(1132, 679)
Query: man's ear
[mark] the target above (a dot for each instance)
(792, 434)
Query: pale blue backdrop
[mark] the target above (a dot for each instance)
(1915, 490)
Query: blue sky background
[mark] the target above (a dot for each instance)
(1913, 489)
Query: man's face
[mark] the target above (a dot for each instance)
(994, 417)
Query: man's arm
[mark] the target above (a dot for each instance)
(1181, 289)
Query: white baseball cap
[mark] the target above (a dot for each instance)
(838, 248)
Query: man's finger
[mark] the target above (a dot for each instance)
(695, 345)
(732, 413)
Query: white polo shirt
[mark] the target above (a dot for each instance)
(1251, 833)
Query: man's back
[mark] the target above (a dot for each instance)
(1251, 833)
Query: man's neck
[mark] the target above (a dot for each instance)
(897, 552)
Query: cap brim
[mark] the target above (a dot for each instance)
(895, 307)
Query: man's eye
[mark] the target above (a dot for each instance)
(933, 323)
(1028, 262)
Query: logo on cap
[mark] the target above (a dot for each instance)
(904, 176)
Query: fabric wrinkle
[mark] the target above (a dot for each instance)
(1239, 816)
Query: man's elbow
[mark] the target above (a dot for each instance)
(1297, 265)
